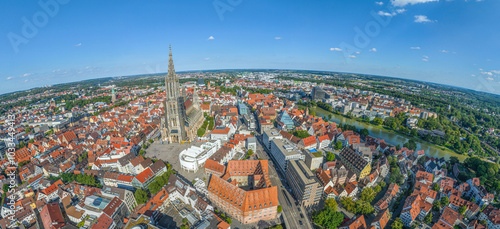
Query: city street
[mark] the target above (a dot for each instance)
(291, 214)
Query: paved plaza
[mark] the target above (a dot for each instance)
(170, 153)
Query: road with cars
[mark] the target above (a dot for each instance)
(294, 216)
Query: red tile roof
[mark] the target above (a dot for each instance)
(309, 141)
(103, 222)
(145, 175)
(51, 216)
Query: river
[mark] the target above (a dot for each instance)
(390, 137)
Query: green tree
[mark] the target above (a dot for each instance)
(454, 160)
(228, 220)
(462, 209)
(444, 201)
(184, 220)
(141, 196)
(338, 145)
(330, 156)
(398, 224)
(435, 187)
(328, 218)
(436, 205)
(367, 194)
(364, 132)
(301, 134)
(421, 160)
(382, 184)
(411, 144)
(364, 207)
(348, 204)
(280, 209)
(200, 132)
(428, 218)
(331, 203)
(5, 188)
(378, 121)
(377, 189)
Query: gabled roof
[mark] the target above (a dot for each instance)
(145, 175)
(309, 141)
(215, 166)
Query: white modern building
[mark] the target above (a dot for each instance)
(270, 135)
(191, 159)
(282, 150)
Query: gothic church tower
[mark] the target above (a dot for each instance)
(174, 123)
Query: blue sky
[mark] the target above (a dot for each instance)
(450, 42)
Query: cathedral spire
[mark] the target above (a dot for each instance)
(195, 97)
(171, 70)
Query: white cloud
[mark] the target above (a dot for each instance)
(426, 57)
(9, 78)
(400, 11)
(422, 19)
(487, 73)
(496, 71)
(382, 13)
(414, 47)
(26, 75)
(278, 38)
(445, 51)
(357, 52)
(25, 81)
(336, 49)
(208, 58)
(379, 3)
(373, 50)
(425, 60)
(211, 38)
(391, 14)
(352, 56)
(489, 78)
(79, 44)
(402, 3)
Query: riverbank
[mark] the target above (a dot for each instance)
(390, 136)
